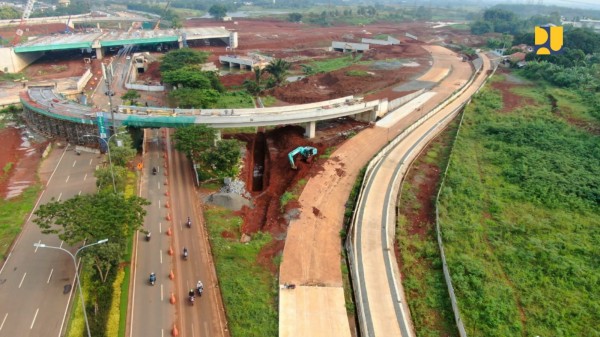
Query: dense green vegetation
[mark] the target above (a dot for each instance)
(215, 159)
(248, 290)
(520, 214)
(7, 12)
(421, 263)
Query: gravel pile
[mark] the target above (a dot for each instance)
(235, 187)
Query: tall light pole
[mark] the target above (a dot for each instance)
(108, 74)
(112, 173)
(74, 257)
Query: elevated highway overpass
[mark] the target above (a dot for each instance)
(53, 115)
(14, 59)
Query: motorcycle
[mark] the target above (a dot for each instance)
(191, 296)
(185, 253)
(154, 170)
(189, 223)
(148, 236)
(199, 288)
(152, 279)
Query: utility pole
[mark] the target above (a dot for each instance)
(108, 74)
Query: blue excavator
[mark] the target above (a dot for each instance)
(306, 151)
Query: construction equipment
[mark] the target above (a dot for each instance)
(26, 13)
(163, 15)
(306, 151)
(67, 27)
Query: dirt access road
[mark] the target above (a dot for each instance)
(312, 254)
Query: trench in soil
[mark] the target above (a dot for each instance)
(258, 181)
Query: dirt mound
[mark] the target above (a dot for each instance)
(152, 73)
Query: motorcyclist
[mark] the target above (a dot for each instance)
(199, 287)
(191, 296)
(154, 170)
(189, 222)
(148, 236)
(185, 253)
(152, 278)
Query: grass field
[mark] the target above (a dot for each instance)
(248, 290)
(520, 217)
(13, 213)
(333, 64)
(235, 99)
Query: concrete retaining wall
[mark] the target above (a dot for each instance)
(10, 62)
(393, 104)
(83, 80)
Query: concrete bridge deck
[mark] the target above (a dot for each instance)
(46, 101)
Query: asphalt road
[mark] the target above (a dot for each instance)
(153, 314)
(151, 311)
(32, 280)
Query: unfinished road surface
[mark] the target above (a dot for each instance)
(312, 256)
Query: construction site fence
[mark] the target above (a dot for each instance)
(353, 264)
(143, 87)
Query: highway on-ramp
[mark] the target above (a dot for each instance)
(379, 291)
(33, 300)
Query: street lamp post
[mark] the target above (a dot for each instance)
(112, 173)
(74, 257)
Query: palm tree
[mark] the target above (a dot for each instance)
(278, 69)
(258, 72)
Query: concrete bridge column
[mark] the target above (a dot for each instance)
(310, 130)
(99, 53)
(366, 116)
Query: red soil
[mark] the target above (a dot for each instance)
(25, 158)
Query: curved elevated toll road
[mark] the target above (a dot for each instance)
(377, 280)
(46, 101)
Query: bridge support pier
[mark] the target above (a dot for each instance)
(310, 130)
(367, 116)
(99, 53)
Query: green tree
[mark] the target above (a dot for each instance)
(217, 11)
(194, 139)
(94, 217)
(179, 58)
(7, 12)
(278, 68)
(222, 160)
(481, 27)
(294, 17)
(131, 95)
(122, 150)
(251, 87)
(187, 77)
(104, 176)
